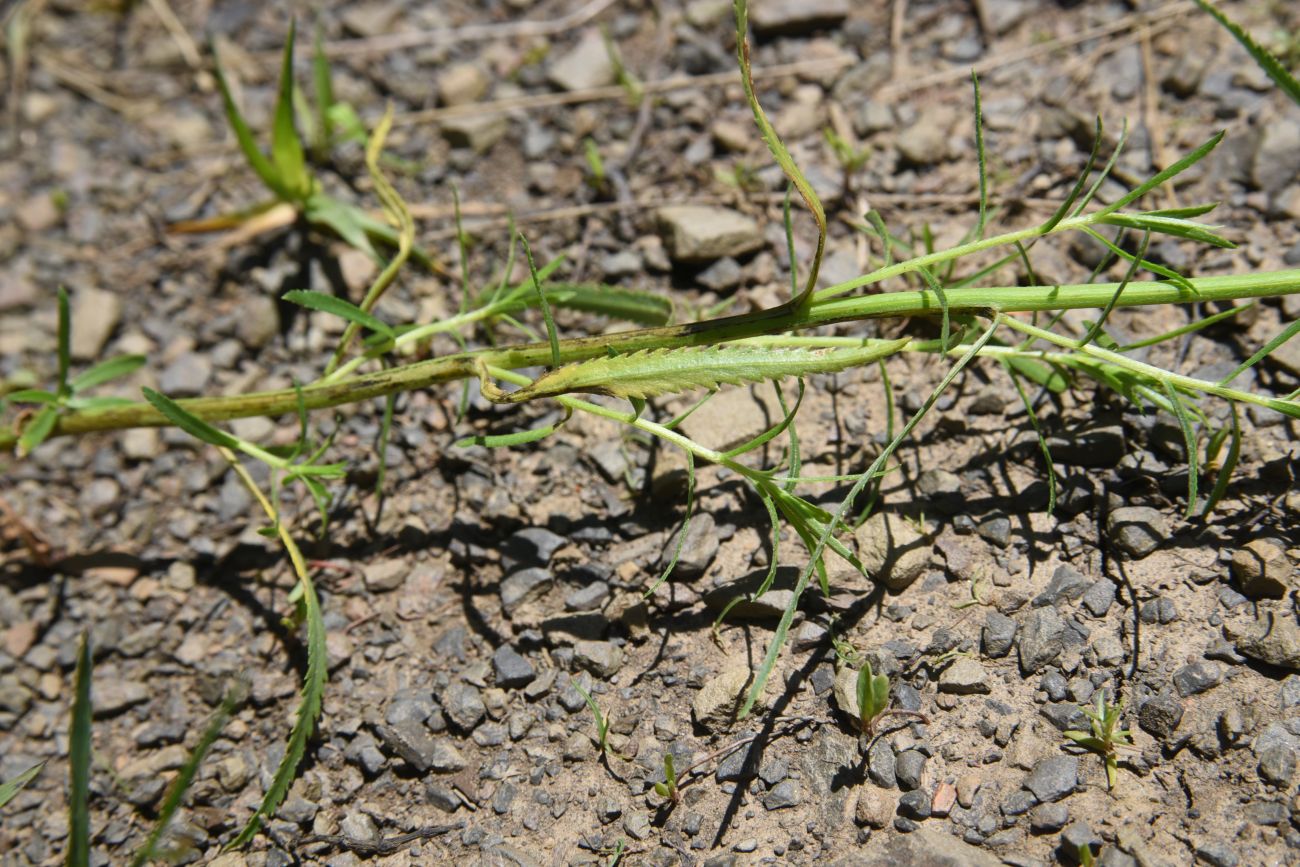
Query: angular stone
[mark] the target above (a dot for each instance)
(702, 233)
(1197, 678)
(462, 84)
(1042, 638)
(1261, 569)
(1160, 715)
(964, 677)
(464, 705)
(510, 669)
(892, 551)
(95, 313)
(1137, 530)
(732, 417)
(601, 658)
(716, 704)
(585, 66)
(385, 575)
(1053, 777)
(478, 132)
(1067, 583)
(523, 586)
(796, 17)
(698, 547)
(998, 635)
(1278, 645)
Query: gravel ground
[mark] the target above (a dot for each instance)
(462, 611)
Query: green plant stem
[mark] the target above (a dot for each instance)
(775, 321)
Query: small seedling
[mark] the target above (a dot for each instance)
(850, 156)
(602, 722)
(596, 177)
(1106, 738)
(285, 173)
(68, 394)
(873, 697)
(668, 789)
(1085, 856)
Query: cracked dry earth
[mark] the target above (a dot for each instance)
(463, 613)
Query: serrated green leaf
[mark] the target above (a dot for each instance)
(10, 788)
(188, 422)
(338, 307)
(308, 711)
(1267, 62)
(286, 146)
(653, 372)
(106, 371)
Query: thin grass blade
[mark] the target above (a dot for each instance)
(79, 761)
(64, 339)
(1189, 441)
(286, 146)
(1265, 350)
(257, 160)
(1229, 465)
(37, 430)
(234, 697)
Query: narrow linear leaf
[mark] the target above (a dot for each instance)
(1160, 177)
(981, 158)
(313, 687)
(779, 151)
(349, 223)
(32, 395)
(79, 761)
(1267, 62)
(96, 402)
(257, 160)
(10, 788)
(106, 371)
(286, 146)
(338, 307)
(633, 305)
(188, 422)
(1189, 441)
(774, 431)
(653, 372)
(64, 341)
(176, 791)
(1177, 227)
(323, 83)
(37, 430)
(681, 535)
(1265, 350)
(1229, 465)
(551, 334)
